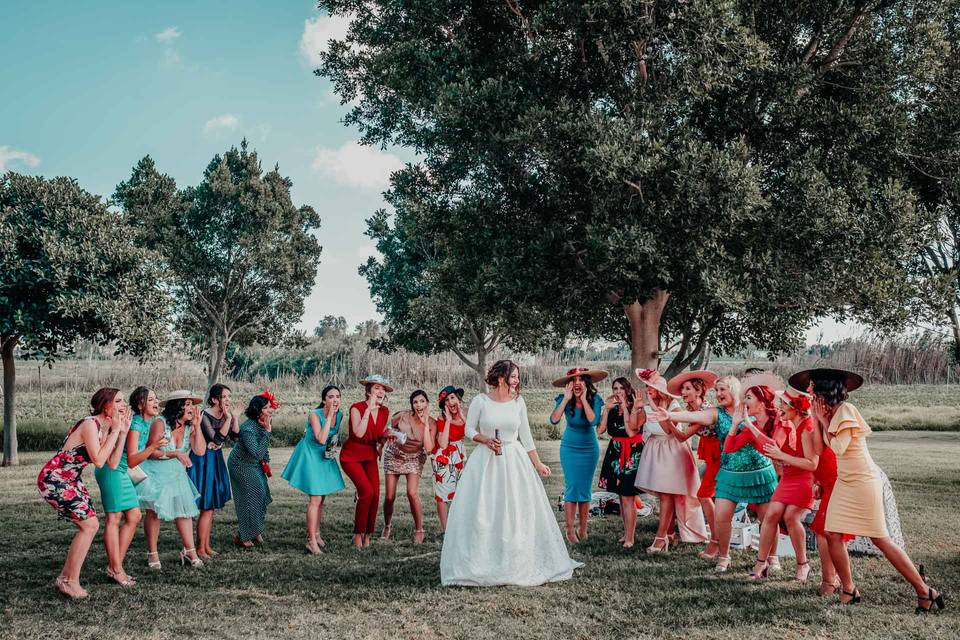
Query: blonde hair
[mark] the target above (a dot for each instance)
(733, 383)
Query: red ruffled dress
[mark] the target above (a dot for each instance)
(796, 485)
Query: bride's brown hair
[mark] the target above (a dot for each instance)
(502, 369)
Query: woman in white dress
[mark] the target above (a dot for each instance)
(501, 529)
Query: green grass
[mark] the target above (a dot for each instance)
(392, 590)
(886, 407)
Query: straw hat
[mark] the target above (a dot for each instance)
(653, 379)
(595, 375)
(181, 394)
(709, 379)
(799, 400)
(771, 380)
(377, 379)
(850, 380)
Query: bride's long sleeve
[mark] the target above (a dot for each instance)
(473, 418)
(526, 439)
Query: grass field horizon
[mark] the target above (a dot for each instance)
(392, 590)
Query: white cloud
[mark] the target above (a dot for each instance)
(355, 165)
(317, 33)
(9, 155)
(221, 123)
(167, 35)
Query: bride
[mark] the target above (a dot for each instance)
(501, 529)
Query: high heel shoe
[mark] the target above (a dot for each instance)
(933, 600)
(155, 563)
(723, 563)
(855, 597)
(385, 534)
(710, 556)
(62, 585)
(313, 548)
(829, 588)
(773, 564)
(803, 572)
(762, 573)
(185, 557)
(242, 544)
(664, 549)
(128, 581)
(418, 536)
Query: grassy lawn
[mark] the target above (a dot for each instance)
(392, 590)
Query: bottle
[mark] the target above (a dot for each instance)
(496, 435)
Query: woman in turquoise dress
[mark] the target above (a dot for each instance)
(313, 467)
(209, 470)
(579, 449)
(118, 493)
(249, 466)
(171, 494)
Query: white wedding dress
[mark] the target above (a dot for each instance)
(501, 529)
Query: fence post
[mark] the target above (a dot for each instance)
(43, 415)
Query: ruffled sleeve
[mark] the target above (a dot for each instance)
(846, 424)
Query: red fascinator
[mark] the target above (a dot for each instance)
(271, 398)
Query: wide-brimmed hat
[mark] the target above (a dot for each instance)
(850, 380)
(595, 375)
(377, 379)
(799, 400)
(181, 394)
(709, 379)
(653, 379)
(770, 380)
(447, 390)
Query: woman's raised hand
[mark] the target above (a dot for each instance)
(568, 390)
(610, 402)
(659, 414)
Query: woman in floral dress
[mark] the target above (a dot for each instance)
(618, 472)
(60, 484)
(445, 442)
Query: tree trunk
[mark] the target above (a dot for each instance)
(644, 319)
(218, 351)
(7, 345)
(481, 369)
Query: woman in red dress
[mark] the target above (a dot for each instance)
(359, 454)
(794, 446)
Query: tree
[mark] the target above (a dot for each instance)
(69, 270)
(331, 326)
(436, 291)
(709, 173)
(242, 257)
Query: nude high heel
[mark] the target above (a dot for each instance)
(155, 563)
(185, 557)
(664, 549)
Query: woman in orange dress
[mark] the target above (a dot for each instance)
(856, 505)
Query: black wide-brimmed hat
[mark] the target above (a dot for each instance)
(850, 380)
(446, 391)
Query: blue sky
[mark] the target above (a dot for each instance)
(90, 88)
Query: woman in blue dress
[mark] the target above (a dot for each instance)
(170, 494)
(579, 449)
(313, 467)
(209, 470)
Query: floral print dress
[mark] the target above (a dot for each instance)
(448, 463)
(60, 481)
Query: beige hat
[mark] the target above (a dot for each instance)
(377, 379)
(595, 375)
(709, 379)
(765, 379)
(181, 394)
(653, 379)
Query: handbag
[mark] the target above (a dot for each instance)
(137, 475)
(331, 451)
(266, 468)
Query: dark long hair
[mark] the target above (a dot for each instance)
(216, 392)
(323, 395)
(138, 398)
(589, 396)
(173, 411)
(833, 392)
(418, 392)
(629, 389)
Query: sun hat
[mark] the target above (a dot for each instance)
(850, 380)
(653, 379)
(377, 379)
(799, 400)
(765, 379)
(709, 379)
(595, 375)
(181, 394)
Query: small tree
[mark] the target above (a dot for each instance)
(242, 257)
(331, 327)
(69, 270)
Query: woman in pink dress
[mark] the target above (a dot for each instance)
(796, 449)
(667, 466)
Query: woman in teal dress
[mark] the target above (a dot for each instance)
(171, 494)
(249, 469)
(579, 449)
(313, 467)
(117, 491)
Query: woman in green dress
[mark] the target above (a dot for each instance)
(117, 491)
(249, 469)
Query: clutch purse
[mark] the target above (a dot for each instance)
(137, 475)
(266, 468)
(331, 452)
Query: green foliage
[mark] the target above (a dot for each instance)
(741, 156)
(242, 256)
(69, 271)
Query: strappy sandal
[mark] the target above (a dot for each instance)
(62, 585)
(313, 548)
(664, 549)
(803, 571)
(710, 556)
(154, 564)
(185, 557)
(933, 600)
(829, 588)
(723, 563)
(128, 581)
(762, 573)
(855, 597)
